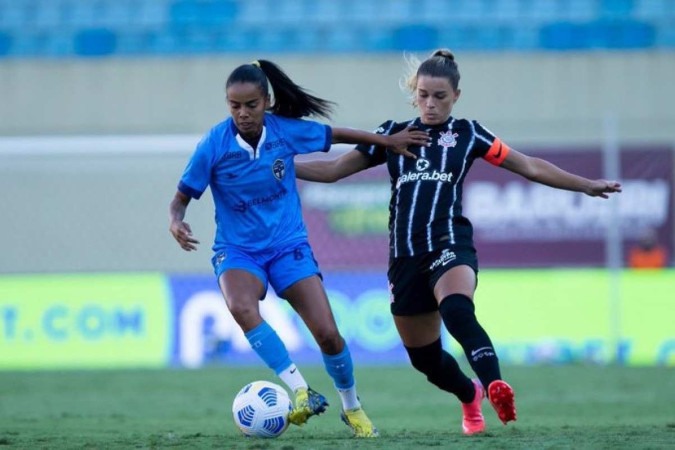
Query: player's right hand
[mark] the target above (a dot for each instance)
(182, 232)
(409, 136)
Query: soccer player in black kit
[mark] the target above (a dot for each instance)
(433, 266)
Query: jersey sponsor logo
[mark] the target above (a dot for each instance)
(422, 164)
(234, 154)
(275, 144)
(446, 257)
(410, 177)
(447, 139)
(279, 169)
(243, 206)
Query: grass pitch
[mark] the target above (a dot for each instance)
(567, 407)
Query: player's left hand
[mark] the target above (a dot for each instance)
(399, 142)
(600, 188)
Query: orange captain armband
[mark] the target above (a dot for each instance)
(497, 153)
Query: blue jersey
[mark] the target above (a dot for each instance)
(254, 190)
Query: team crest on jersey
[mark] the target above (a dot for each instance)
(279, 169)
(448, 139)
(422, 164)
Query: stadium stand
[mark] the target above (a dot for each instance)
(100, 28)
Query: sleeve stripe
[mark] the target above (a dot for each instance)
(190, 192)
(497, 153)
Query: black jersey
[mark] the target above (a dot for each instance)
(425, 210)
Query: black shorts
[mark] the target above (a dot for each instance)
(412, 279)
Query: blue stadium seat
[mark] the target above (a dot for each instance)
(274, 39)
(290, 13)
(330, 11)
(57, 44)
(47, 16)
(255, 12)
(505, 11)
(166, 43)
(544, 11)
(185, 13)
(5, 44)
(610, 34)
(203, 13)
(616, 8)
(341, 40)
(525, 38)
(435, 12)
(653, 9)
(218, 13)
(376, 38)
(453, 37)
(13, 16)
(563, 36)
(151, 13)
(494, 38)
(577, 10)
(415, 37)
(473, 11)
(665, 36)
(113, 14)
(396, 12)
(360, 13)
(95, 42)
(76, 15)
(196, 41)
(307, 39)
(30, 44)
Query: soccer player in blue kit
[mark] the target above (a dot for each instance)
(247, 161)
(433, 266)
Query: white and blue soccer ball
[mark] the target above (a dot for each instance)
(261, 409)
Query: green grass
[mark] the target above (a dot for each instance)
(568, 407)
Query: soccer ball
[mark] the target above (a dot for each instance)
(261, 409)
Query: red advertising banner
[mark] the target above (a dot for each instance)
(517, 223)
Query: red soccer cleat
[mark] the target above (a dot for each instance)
(501, 396)
(473, 421)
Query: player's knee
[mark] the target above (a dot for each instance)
(426, 359)
(244, 314)
(330, 342)
(456, 309)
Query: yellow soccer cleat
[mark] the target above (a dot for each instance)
(308, 403)
(359, 423)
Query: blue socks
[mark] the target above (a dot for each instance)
(340, 368)
(267, 344)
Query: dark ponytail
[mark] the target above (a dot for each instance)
(290, 100)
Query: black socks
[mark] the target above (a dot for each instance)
(442, 370)
(457, 311)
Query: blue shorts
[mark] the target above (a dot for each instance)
(281, 268)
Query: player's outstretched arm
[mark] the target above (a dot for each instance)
(180, 230)
(331, 170)
(544, 172)
(398, 142)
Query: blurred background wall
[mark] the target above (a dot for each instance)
(102, 102)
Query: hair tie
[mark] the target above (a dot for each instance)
(256, 63)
